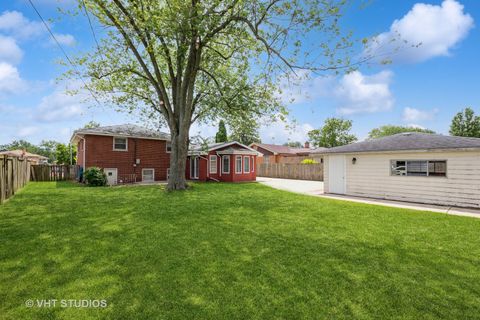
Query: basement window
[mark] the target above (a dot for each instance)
(421, 168)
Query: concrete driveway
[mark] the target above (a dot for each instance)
(298, 186)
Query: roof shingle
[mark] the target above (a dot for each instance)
(408, 141)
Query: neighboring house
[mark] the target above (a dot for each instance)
(127, 153)
(415, 167)
(22, 154)
(273, 153)
(228, 161)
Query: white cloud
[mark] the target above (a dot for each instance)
(417, 126)
(27, 131)
(10, 81)
(16, 24)
(358, 93)
(59, 106)
(64, 39)
(9, 50)
(426, 31)
(415, 115)
(280, 132)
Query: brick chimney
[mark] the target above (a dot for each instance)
(307, 145)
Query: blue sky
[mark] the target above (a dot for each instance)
(423, 87)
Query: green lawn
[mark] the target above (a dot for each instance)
(231, 251)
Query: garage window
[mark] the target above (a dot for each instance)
(120, 144)
(422, 168)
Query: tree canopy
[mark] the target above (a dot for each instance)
(335, 132)
(181, 62)
(293, 144)
(465, 124)
(221, 135)
(388, 130)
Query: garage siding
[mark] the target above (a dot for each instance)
(370, 177)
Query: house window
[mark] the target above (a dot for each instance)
(148, 175)
(238, 164)
(169, 146)
(253, 164)
(120, 144)
(213, 164)
(246, 164)
(226, 164)
(422, 168)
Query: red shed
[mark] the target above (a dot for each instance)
(226, 161)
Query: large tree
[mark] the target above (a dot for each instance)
(388, 130)
(221, 135)
(245, 131)
(335, 132)
(465, 124)
(185, 61)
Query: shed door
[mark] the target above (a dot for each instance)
(336, 174)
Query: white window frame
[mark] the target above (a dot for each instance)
(210, 162)
(153, 173)
(241, 164)
(223, 166)
(126, 144)
(253, 164)
(246, 160)
(424, 160)
(168, 173)
(167, 143)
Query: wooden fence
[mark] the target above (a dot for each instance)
(14, 174)
(291, 171)
(45, 172)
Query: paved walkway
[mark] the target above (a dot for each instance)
(315, 188)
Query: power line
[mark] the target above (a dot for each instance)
(64, 52)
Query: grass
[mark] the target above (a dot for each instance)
(231, 251)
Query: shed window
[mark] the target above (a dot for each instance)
(120, 144)
(213, 164)
(238, 164)
(246, 164)
(168, 147)
(425, 168)
(226, 164)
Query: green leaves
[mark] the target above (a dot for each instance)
(335, 132)
(389, 130)
(465, 124)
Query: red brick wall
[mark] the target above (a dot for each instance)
(230, 177)
(152, 155)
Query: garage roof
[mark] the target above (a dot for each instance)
(408, 141)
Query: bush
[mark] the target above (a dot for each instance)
(95, 177)
(309, 161)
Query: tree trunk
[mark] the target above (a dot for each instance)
(178, 158)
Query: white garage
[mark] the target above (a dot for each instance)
(414, 167)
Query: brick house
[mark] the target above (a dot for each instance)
(228, 161)
(127, 153)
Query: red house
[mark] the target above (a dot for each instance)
(228, 161)
(127, 153)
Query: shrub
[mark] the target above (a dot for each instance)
(309, 161)
(95, 177)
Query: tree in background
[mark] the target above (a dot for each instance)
(48, 148)
(465, 124)
(335, 132)
(91, 124)
(389, 130)
(293, 144)
(65, 154)
(221, 135)
(219, 59)
(245, 131)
